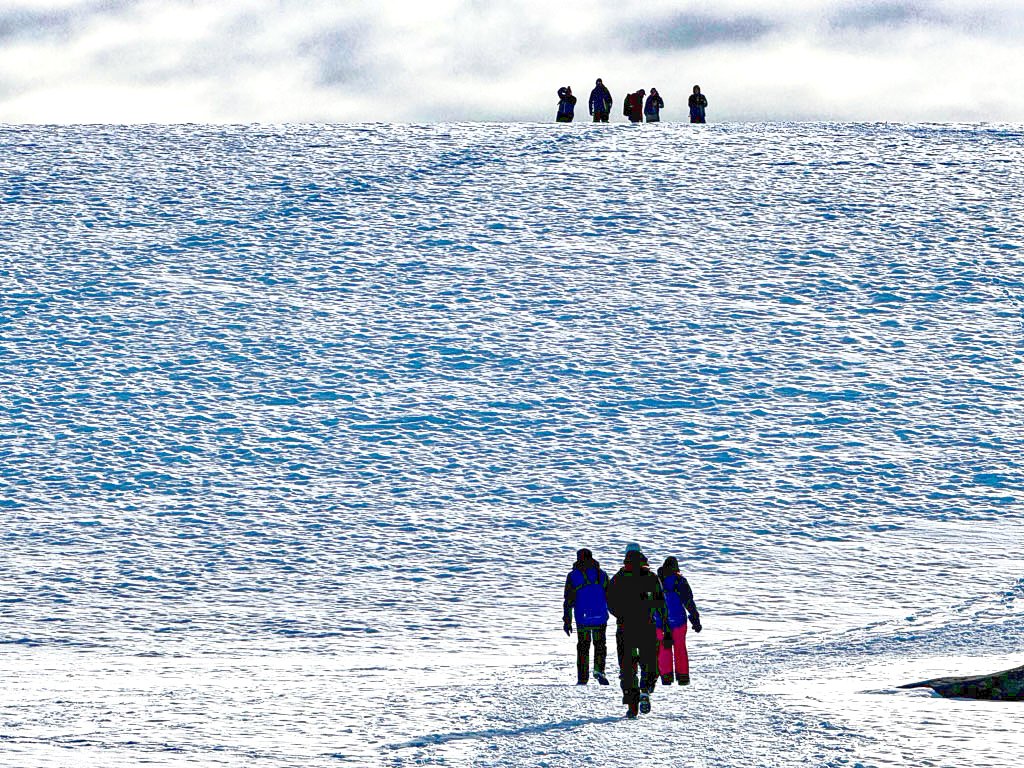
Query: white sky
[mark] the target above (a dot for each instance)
(246, 61)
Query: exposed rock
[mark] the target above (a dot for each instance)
(1000, 686)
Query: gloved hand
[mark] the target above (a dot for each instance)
(567, 626)
(666, 640)
(696, 626)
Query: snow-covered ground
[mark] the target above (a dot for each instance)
(300, 428)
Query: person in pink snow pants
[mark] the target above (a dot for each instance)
(672, 656)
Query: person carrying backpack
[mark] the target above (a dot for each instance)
(600, 102)
(672, 633)
(636, 597)
(585, 599)
(698, 103)
(566, 105)
(653, 107)
(633, 106)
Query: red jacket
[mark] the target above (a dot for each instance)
(634, 106)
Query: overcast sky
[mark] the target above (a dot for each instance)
(429, 60)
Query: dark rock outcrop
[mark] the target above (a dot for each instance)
(1000, 686)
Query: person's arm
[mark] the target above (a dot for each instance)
(611, 595)
(660, 608)
(686, 593)
(568, 601)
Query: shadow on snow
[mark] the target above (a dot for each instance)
(444, 738)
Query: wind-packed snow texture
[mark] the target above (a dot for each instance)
(300, 428)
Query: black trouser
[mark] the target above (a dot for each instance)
(584, 636)
(639, 646)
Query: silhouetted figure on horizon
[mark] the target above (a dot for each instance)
(600, 102)
(653, 106)
(698, 103)
(633, 106)
(566, 105)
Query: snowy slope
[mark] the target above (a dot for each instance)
(301, 426)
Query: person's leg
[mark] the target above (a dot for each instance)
(627, 674)
(600, 648)
(682, 659)
(664, 661)
(648, 657)
(582, 655)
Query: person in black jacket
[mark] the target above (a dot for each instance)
(566, 105)
(698, 103)
(635, 596)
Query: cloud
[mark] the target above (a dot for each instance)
(883, 15)
(341, 55)
(683, 31)
(24, 23)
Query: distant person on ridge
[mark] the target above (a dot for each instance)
(600, 102)
(566, 105)
(698, 103)
(585, 599)
(678, 603)
(633, 107)
(635, 596)
(653, 107)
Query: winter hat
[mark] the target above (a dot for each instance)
(632, 547)
(635, 558)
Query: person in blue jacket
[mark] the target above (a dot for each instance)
(653, 106)
(585, 600)
(600, 102)
(672, 641)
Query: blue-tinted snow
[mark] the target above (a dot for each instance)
(301, 426)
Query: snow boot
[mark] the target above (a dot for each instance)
(599, 676)
(666, 679)
(645, 703)
(683, 679)
(632, 699)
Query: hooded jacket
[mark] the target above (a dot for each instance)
(678, 600)
(566, 103)
(585, 595)
(653, 104)
(636, 596)
(600, 99)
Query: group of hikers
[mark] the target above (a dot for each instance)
(635, 107)
(651, 612)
